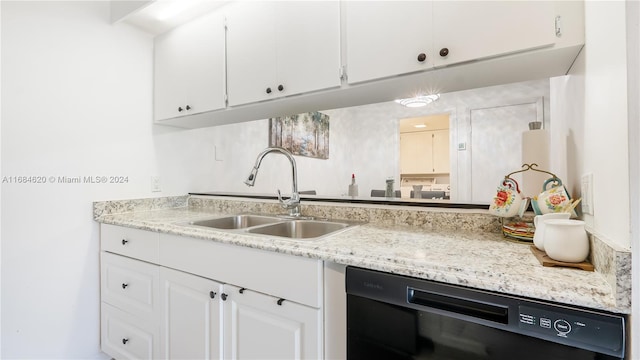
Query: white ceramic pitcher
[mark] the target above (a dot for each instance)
(539, 223)
(566, 240)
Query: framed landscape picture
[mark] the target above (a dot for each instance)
(304, 134)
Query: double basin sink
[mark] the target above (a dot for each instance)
(307, 229)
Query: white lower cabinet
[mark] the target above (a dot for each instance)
(153, 310)
(191, 316)
(259, 326)
(125, 336)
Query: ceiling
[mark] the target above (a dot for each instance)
(159, 16)
(431, 122)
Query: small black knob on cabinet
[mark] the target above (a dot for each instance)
(268, 90)
(422, 57)
(444, 52)
(280, 87)
(124, 341)
(280, 301)
(212, 294)
(241, 291)
(124, 285)
(223, 296)
(180, 109)
(124, 242)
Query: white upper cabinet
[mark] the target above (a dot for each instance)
(277, 49)
(424, 152)
(471, 30)
(189, 69)
(386, 38)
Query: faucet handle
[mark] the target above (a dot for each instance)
(290, 202)
(280, 197)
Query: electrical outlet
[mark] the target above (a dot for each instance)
(155, 183)
(586, 190)
(462, 146)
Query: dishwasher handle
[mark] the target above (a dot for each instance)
(457, 305)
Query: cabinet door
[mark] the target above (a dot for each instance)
(204, 62)
(416, 153)
(251, 48)
(308, 52)
(257, 327)
(191, 316)
(441, 157)
(189, 68)
(472, 30)
(168, 87)
(385, 38)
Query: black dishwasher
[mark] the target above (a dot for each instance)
(397, 317)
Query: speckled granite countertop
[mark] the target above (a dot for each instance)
(477, 259)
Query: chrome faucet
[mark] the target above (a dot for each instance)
(293, 203)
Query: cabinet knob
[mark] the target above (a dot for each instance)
(280, 301)
(180, 109)
(188, 107)
(124, 241)
(212, 294)
(422, 57)
(444, 52)
(241, 291)
(124, 285)
(269, 90)
(223, 296)
(280, 87)
(125, 341)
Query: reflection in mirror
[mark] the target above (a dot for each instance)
(424, 157)
(485, 128)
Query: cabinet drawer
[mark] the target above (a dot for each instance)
(130, 285)
(138, 244)
(127, 337)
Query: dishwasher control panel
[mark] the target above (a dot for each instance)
(594, 330)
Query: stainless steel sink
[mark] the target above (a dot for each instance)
(285, 227)
(237, 222)
(299, 229)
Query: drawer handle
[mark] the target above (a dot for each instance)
(241, 291)
(125, 341)
(280, 301)
(124, 285)
(124, 241)
(223, 296)
(422, 57)
(212, 294)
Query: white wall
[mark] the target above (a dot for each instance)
(601, 135)
(0, 188)
(605, 118)
(76, 101)
(633, 87)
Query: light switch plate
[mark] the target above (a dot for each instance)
(462, 146)
(586, 190)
